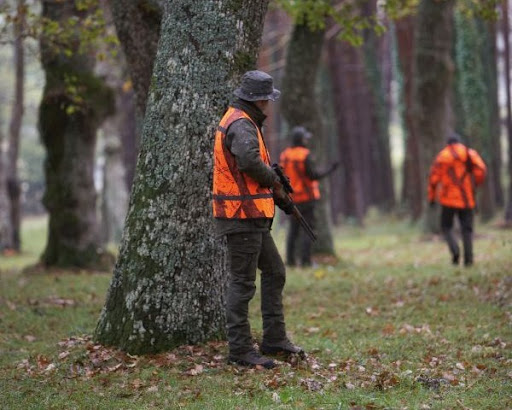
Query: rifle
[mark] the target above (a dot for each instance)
(296, 213)
(469, 170)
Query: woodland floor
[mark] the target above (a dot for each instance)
(390, 325)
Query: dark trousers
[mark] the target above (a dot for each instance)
(466, 225)
(247, 252)
(297, 237)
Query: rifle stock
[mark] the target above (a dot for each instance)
(295, 211)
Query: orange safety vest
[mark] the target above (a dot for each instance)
(450, 182)
(293, 161)
(235, 194)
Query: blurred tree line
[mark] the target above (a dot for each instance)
(152, 78)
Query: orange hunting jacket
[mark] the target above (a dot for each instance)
(450, 182)
(235, 194)
(293, 161)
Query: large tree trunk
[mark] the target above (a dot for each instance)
(68, 124)
(432, 85)
(506, 39)
(169, 281)
(412, 196)
(299, 107)
(138, 28)
(473, 91)
(13, 182)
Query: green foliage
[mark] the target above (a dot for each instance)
(485, 9)
(315, 13)
(396, 9)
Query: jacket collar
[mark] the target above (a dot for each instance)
(251, 110)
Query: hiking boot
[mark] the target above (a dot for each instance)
(282, 348)
(455, 259)
(251, 358)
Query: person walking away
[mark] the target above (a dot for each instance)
(455, 173)
(299, 166)
(245, 190)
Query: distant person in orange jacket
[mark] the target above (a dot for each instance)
(299, 166)
(455, 173)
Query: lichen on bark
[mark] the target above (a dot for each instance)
(169, 281)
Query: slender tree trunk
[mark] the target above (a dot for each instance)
(299, 107)
(13, 182)
(5, 223)
(272, 60)
(506, 39)
(169, 281)
(68, 124)
(381, 184)
(127, 128)
(346, 68)
(412, 171)
(490, 72)
(432, 85)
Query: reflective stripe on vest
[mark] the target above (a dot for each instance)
(235, 194)
(293, 161)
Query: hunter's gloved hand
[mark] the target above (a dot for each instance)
(333, 166)
(281, 199)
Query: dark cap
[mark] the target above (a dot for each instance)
(256, 86)
(453, 138)
(299, 135)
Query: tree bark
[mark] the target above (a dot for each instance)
(13, 182)
(490, 73)
(412, 174)
(138, 28)
(381, 184)
(5, 223)
(506, 40)
(299, 107)
(432, 86)
(68, 121)
(346, 68)
(169, 281)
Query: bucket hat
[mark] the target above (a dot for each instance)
(256, 86)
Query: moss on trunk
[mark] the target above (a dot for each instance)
(68, 121)
(169, 281)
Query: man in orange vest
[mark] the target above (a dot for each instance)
(245, 189)
(455, 173)
(299, 166)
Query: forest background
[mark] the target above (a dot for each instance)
(86, 93)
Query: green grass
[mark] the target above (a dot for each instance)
(392, 326)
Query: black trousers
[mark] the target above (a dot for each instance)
(248, 252)
(297, 237)
(465, 217)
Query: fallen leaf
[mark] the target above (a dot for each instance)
(63, 355)
(30, 338)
